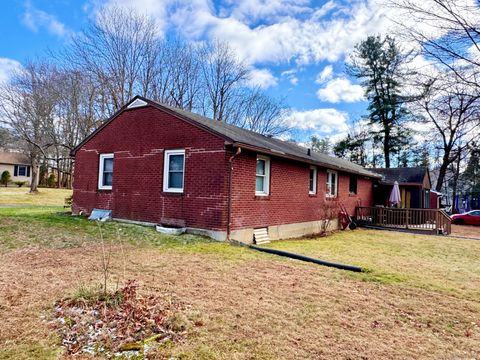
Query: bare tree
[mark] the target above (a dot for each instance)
(446, 32)
(260, 113)
(119, 51)
(27, 105)
(223, 77)
(76, 117)
(454, 114)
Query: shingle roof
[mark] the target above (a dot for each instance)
(13, 158)
(270, 144)
(412, 175)
(261, 143)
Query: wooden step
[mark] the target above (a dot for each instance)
(260, 236)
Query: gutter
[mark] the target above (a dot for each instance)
(230, 181)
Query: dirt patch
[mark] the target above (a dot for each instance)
(261, 308)
(466, 230)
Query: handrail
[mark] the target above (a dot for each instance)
(421, 220)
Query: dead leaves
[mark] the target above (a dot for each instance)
(118, 322)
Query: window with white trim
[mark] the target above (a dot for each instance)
(262, 176)
(332, 183)
(313, 180)
(174, 171)
(105, 172)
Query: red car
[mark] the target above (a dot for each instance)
(468, 218)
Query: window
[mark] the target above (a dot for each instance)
(174, 171)
(262, 180)
(105, 172)
(313, 180)
(475, 213)
(353, 184)
(21, 170)
(331, 183)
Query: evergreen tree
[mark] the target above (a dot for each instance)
(471, 175)
(378, 62)
(353, 147)
(320, 145)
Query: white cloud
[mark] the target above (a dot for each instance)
(35, 19)
(250, 11)
(324, 121)
(291, 76)
(270, 31)
(325, 74)
(263, 78)
(340, 90)
(7, 67)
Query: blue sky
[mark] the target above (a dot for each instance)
(296, 49)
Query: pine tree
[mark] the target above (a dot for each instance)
(320, 145)
(471, 175)
(379, 64)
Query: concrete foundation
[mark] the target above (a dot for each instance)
(285, 231)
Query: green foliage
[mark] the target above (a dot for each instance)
(51, 180)
(19, 183)
(471, 175)
(353, 147)
(320, 145)
(5, 178)
(378, 62)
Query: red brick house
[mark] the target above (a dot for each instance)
(157, 164)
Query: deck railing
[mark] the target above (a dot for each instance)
(422, 220)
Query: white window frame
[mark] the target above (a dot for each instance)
(314, 191)
(329, 182)
(166, 170)
(101, 166)
(22, 167)
(266, 180)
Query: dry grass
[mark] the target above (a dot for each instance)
(45, 196)
(253, 305)
(443, 264)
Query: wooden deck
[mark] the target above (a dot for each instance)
(432, 221)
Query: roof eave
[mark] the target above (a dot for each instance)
(303, 160)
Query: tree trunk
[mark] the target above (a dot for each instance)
(386, 147)
(443, 170)
(455, 183)
(33, 183)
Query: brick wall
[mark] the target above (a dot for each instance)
(289, 200)
(138, 139)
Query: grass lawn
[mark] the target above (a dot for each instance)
(45, 196)
(441, 264)
(419, 299)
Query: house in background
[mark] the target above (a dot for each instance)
(415, 187)
(17, 164)
(157, 164)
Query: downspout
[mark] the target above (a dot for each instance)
(230, 181)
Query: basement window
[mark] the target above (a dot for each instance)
(352, 188)
(262, 178)
(174, 171)
(332, 183)
(105, 172)
(313, 180)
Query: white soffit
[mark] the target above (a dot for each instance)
(137, 103)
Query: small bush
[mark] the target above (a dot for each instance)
(51, 180)
(19, 183)
(5, 178)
